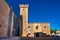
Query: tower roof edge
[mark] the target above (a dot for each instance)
(24, 5)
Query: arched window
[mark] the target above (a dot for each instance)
(28, 26)
(44, 26)
(36, 27)
(28, 34)
(23, 9)
(29, 29)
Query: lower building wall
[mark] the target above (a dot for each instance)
(45, 28)
(4, 14)
(37, 28)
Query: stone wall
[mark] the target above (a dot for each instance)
(4, 14)
(28, 29)
(37, 28)
(24, 14)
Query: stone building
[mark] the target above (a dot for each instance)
(29, 29)
(8, 20)
(4, 10)
(10, 25)
(57, 33)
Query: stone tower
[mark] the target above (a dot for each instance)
(31, 29)
(24, 14)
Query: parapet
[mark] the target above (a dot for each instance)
(23, 5)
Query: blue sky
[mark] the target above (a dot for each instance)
(40, 11)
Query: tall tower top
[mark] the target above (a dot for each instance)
(23, 5)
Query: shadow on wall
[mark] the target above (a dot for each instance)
(40, 34)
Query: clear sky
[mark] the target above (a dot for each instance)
(40, 11)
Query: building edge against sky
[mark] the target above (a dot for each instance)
(28, 29)
(10, 25)
(8, 20)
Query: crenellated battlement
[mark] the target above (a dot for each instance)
(24, 5)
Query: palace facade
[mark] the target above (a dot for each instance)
(29, 29)
(11, 25)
